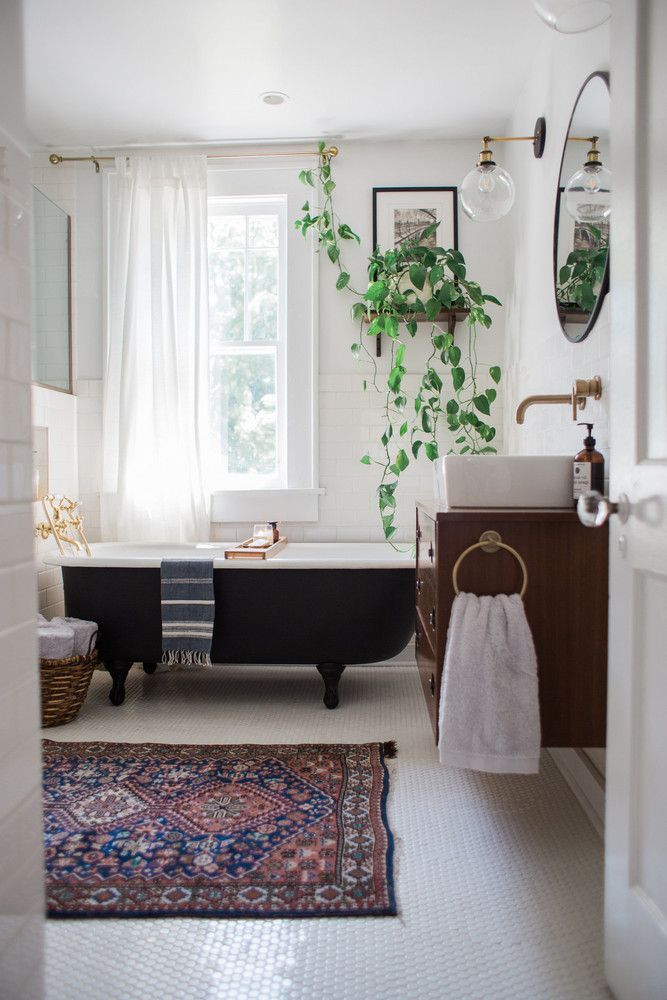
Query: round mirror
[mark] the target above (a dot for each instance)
(583, 207)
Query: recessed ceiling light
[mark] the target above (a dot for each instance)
(274, 97)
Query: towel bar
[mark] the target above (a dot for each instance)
(490, 541)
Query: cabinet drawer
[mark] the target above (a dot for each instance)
(426, 552)
(428, 673)
(427, 605)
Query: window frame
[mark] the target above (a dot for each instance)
(230, 205)
(298, 498)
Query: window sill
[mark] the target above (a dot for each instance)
(263, 505)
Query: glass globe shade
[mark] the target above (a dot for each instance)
(487, 193)
(588, 194)
(572, 16)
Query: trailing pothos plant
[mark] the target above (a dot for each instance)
(409, 285)
(580, 277)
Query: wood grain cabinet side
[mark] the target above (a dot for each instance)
(566, 606)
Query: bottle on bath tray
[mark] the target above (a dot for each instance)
(588, 468)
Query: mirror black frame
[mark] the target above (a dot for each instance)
(604, 287)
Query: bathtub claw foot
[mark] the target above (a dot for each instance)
(330, 674)
(150, 668)
(119, 670)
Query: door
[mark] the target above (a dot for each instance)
(636, 824)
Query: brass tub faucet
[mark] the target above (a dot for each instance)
(582, 389)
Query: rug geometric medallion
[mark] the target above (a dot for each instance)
(152, 829)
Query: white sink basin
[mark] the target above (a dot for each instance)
(504, 480)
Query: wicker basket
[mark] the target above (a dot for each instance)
(64, 685)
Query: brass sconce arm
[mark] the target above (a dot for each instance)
(582, 389)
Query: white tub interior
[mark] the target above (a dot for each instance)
(296, 555)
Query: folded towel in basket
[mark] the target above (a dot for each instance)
(56, 642)
(85, 634)
(188, 611)
(489, 708)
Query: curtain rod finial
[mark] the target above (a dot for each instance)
(55, 158)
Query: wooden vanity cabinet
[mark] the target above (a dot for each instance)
(566, 606)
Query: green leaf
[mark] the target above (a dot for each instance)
(402, 460)
(388, 532)
(460, 440)
(305, 207)
(333, 253)
(458, 378)
(403, 429)
(456, 268)
(454, 355)
(435, 275)
(400, 354)
(395, 377)
(391, 327)
(328, 187)
(358, 310)
(489, 451)
(432, 309)
(428, 232)
(417, 274)
(356, 348)
(366, 460)
(418, 404)
(465, 449)
(427, 423)
(564, 274)
(399, 403)
(376, 291)
(412, 327)
(491, 395)
(482, 404)
(452, 406)
(342, 280)
(416, 445)
(492, 298)
(494, 372)
(431, 450)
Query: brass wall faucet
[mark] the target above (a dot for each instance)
(582, 389)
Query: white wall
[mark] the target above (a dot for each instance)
(350, 420)
(538, 358)
(74, 421)
(21, 878)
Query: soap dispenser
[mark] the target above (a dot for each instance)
(588, 468)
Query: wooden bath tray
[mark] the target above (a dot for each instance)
(242, 551)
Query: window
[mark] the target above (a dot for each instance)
(247, 306)
(262, 316)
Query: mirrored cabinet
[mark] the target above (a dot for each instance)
(51, 294)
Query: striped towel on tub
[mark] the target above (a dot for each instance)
(188, 610)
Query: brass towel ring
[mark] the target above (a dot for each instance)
(490, 541)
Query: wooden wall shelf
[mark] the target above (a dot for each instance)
(448, 316)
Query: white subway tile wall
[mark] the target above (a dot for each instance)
(21, 880)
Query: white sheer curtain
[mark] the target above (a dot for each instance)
(155, 426)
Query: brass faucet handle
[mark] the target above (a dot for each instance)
(583, 389)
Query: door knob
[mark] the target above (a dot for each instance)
(594, 509)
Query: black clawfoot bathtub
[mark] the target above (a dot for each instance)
(328, 604)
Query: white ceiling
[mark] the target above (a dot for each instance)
(103, 73)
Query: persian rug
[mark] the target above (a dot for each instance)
(159, 830)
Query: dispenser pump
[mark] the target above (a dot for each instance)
(589, 442)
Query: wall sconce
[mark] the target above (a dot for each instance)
(573, 16)
(487, 192)
(588, 191)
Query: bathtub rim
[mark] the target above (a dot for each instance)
(322, 556)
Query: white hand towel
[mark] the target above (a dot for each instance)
(489, 708)
(85, 634)
(56, 642)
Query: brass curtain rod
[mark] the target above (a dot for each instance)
(56, 158)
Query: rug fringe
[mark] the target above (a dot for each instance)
(390, 749)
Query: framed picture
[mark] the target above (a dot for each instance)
(400, 214)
